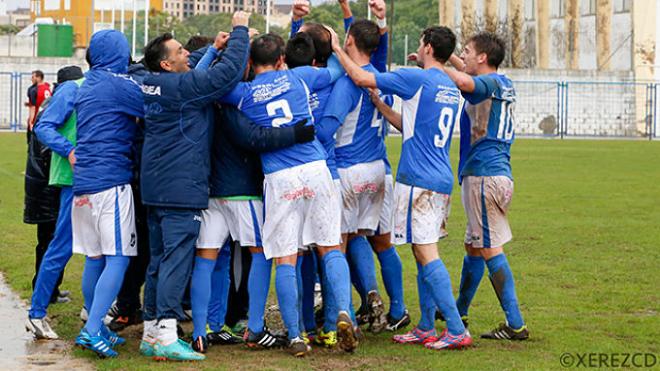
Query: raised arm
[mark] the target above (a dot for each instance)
(211, 52)
(379, 57)
(299, 10)
(463, 81)
(359, 76)
(348, 14)
(390, 114)
(59, 108)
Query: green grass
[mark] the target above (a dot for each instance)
(585, 257)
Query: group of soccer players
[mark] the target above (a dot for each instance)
(280, 146)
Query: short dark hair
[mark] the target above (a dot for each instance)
(442, 40)
(491, 45)
(156, 51)
(38, 73)
(366, 35)
(266, 49)
(197, 42)
(322, 42)
(299, 50)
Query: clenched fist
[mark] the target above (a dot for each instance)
(240, 18)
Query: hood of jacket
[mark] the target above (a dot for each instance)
(109, 51)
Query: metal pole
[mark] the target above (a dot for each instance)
(405, 51)
(389, 44)
(134, 27)
(121, 28)
(268, 16)
(368, 11)
(146, 21)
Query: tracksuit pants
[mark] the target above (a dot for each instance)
(172, 238)
(57, 255)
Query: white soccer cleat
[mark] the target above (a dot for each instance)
(40, 329)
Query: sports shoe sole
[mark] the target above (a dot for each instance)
(346, 333)
(30, 327)
(377, 318)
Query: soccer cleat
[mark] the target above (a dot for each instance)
(264, 339)
(40, 329)
(449, 341)
(346, 333)
(187, 315)
(61, 300)
(504, 332)
(362, 315)
(112, 313)
(200, 345)
(119, 323)
(222, 337)
(112, 337)
(305, 338)
(177, 351)
(147, 348)
(239, 327)
(83, 314)
(397, 324)
(298, 348)
(97, 344)
(377, 318)
(416, 336)
(326, 339)
(312, 335)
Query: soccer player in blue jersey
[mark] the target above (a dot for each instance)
(485, 172)
(431, 105)
(301, 204)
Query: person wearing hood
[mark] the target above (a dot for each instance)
(175, 172)
(56, 129)
(102, 214)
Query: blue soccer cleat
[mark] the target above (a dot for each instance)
(177, 351)
(97, 344)
(112, 337)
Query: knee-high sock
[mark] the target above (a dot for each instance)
(329, 307)
(200, 294)
(308, 273)
(473, 271)
(106, 291)
(426, 305)
(91, 273)
(439, 284)
(220, 282)
(355, 280)
(392, 272)
(362, 257)
(502, 280)
(299, 282)
(258, 285)
(339, 281)
(287, 297)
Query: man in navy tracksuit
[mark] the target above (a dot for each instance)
(175, 169)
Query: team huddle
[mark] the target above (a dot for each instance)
(280, 146)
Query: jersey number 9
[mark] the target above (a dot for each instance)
(444, 124)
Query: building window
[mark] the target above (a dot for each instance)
(558, 8)
(588, 7)
(530, 10)
(622, 6)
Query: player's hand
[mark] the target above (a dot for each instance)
(378, 8)
(72, 158)
(342, 2)
(240, 18)
(334, 39)
(252, 32)
(300, 9)
(302, 133)
(221, 40)
(413, 57)
(374, 94)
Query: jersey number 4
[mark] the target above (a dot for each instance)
(279, 108)
(445, 125)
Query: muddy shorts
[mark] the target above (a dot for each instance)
(302, 207)
(363, 191)
(486, 201)
(419, 215)
(242, 219)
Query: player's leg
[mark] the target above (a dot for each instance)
(307, 278)
(217, 311)
(149, 311)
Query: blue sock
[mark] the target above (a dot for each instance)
(220, 282)
(426, 304)
(258, 285)
(308, 281)
(502, 280)
(355, 280)
(363, 258)
(91, 273)
(287, 297)
(339, 281)
(392, 272)
(106, 291)
(439, 284)
(329, 307)
(299, 282)
(473, 271)
(200, 293)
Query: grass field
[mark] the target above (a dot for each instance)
(585, 218)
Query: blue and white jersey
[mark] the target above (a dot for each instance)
(430, 108)
(359, 137)
(385, 130)
(487, 127)
(318, 100)
(280, 99)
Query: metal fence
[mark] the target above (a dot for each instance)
(543, 108)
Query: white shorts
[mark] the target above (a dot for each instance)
(302, 208)
(363, 191)
(103, 223)
(486, 200)
(419, 215)
(385, 220)
(240, 219)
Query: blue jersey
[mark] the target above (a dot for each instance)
(385, 130)
(280, 99)
(318, 100)
(487, 127)
(358, 139)
(430, 107)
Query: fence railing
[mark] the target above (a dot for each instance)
(543, 108)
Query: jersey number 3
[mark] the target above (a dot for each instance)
(444, 124)
(279, 108)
